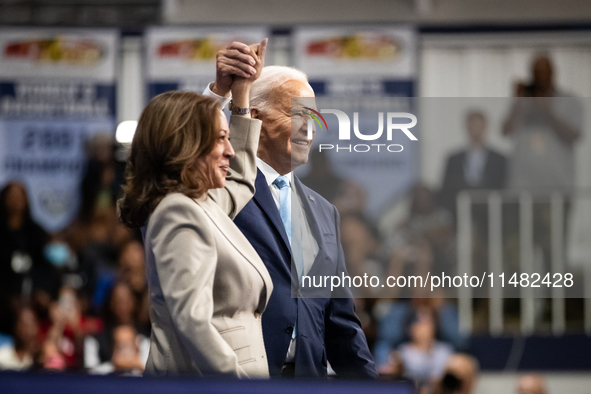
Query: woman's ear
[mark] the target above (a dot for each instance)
(254, 113)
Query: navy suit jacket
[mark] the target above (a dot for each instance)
(493, 177)
(327, 328)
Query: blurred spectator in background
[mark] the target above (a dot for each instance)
(423, 242)
(363, 255)
(345, 195)
(393, 369)
(67, 327)
(394, 325)
(361, 245)
(50, 358)
(477, 167)
(21, 251)
(20, 354)
(132, 273)
(99, 188)
(531, 384)
(461, 375)
(423, 357)
(120, 308)
(126, 358)
(545, 124)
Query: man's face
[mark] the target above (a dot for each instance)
(476, 125)
(284, 140)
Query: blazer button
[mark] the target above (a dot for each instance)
(289, 330)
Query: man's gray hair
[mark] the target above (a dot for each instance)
(271, 78)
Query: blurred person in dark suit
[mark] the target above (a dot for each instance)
(477, 167)
(301, 334)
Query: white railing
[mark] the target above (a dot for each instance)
(525, 200)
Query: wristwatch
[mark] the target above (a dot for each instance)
(235, 110)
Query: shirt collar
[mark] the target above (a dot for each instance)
(270, 173)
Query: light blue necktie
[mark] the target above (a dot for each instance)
(282, 182)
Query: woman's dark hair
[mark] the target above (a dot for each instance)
(173, 132)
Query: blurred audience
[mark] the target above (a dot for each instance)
(51, 358)
(126, 358)
(22, 262)
(424, 357)
(394, 325)
(119, 309)
(424, 242)
(131, 272)
(21, 354)
(362, 248)
(67, 327)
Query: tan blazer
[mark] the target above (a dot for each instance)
(208, 286)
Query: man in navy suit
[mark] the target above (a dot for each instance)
(477, 167)
(301, 334)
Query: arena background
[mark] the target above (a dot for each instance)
(458, 49)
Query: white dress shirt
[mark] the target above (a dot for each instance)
(474, 166)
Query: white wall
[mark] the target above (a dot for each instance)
(477, 66)
(284, 12)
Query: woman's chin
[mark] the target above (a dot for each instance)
(219, 183)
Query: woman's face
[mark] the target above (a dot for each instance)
(16, 200)
(217, 162)
(123, 303)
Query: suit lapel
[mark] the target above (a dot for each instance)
(265, 201)
(310, 207)
(235, 237)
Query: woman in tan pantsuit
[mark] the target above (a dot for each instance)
(185, 183)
